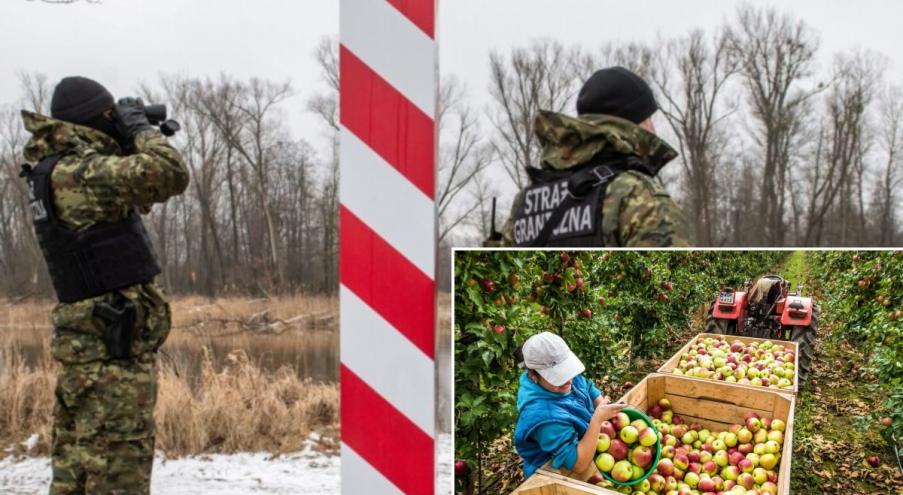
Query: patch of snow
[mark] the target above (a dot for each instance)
(31, 441)
(303, 473)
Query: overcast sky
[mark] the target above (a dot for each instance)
(469, 28)
(121, 42)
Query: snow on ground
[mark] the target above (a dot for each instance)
(304, 473)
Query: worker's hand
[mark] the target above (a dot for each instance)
(607, 411)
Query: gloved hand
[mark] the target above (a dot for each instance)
(130, 118)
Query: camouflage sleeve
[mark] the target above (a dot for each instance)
(508, 228)
(637, 212)
(152, 174)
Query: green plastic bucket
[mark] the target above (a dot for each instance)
(634, 415)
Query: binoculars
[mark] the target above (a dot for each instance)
(156, 114)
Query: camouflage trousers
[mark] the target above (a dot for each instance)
(103, 429)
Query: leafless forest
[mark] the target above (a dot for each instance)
(776, 149)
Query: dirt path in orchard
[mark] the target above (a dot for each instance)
(834, 433)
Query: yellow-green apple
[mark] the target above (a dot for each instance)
(638, 472)
(721, 458)
(769, 487)
(603, 443)
(760, 476)
(647, 437)
(691, 479)
(639, 424)
(776, 435)
(622, 471)
(754, 458)
(605, 462)
(744, 435)
(772, 447)
(629, 434)
(681, 461)
(777, 424)
(730, 440)
(768, 461)
(730, 473)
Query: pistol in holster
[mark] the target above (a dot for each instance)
(119, 319)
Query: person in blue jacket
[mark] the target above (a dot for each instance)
(560, 411)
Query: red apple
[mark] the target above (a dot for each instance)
(874, 461)
(618, 449)
(620, 421)
(706, 485)
(608, 429)
(656, 411)
(641, 456)
(461, 468)
(656, 482)
(665, 467)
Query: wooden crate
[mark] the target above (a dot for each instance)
(547, 483)
(713, 404)
(671, 364)
(717, 405)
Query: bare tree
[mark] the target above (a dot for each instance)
(775, 53)
(692, 107)
(889, 178)
(540, 76)
(326, 106)
(463, 156)
(841, 146)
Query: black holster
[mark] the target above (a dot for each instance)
(119, 320)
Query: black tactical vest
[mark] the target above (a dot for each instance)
(564, 208)
(102, 258)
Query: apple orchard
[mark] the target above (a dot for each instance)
(624, 312)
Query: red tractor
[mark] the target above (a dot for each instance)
(767, 310)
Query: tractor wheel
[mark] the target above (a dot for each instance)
(805, 339)
(718, 325)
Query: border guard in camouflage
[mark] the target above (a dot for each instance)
(597, 185)
(98, 164)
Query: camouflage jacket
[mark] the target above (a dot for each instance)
(94, 183)
(636, 210)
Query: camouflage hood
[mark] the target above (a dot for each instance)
(570, 141)
(49, 136)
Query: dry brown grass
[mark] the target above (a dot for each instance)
(229, 402)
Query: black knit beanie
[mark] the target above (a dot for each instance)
(79, 100)
(619, 92)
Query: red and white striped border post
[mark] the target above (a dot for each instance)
(387, 67)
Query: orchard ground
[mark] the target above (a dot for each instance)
(837, 425)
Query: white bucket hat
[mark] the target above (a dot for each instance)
(551, 357)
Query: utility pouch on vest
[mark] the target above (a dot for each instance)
(119, 320)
